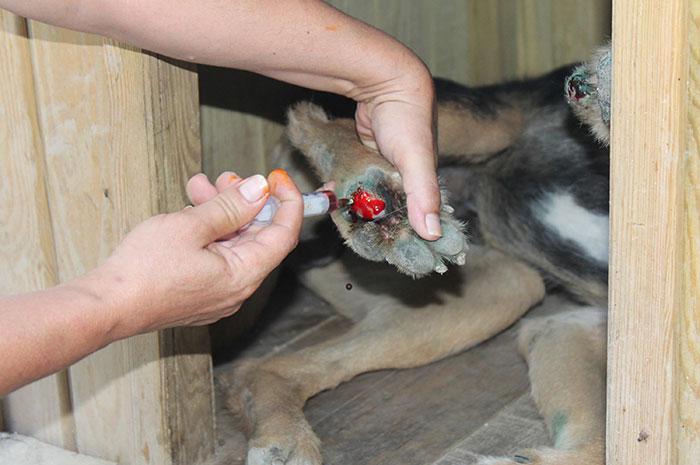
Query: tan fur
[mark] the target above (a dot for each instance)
(481, 136)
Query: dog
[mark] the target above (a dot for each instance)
(526, 173)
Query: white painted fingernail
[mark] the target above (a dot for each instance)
(432, 223)
(254, 188)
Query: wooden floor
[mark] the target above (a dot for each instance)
(450, 412)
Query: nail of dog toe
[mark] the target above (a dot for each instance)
(521, 459)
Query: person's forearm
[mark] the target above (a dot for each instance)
(43, 332)
(304, 42)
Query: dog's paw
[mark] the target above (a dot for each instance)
(298, 447)
(268, 407)
(588, 92)
(376, 224)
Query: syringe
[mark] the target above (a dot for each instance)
(315, 204)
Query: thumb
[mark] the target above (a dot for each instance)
(229, 211)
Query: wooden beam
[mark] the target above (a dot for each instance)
(27, 259)
(689, 319)
(186, 369)
(121, 133)
(648, 140)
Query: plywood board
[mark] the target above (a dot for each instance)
(689, 319)
(120, 128)
(649, 130)
(27, 259)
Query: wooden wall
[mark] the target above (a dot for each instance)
(95, 137)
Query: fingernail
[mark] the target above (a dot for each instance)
(253, 188)
(432, 223)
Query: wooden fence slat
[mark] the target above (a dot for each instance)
(689, 319)
(27, 259)
(121, 134)
(186, 369)
(647, 151)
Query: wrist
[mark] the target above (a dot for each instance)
(396, 70)
(106, 300)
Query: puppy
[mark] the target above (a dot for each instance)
(527, 177)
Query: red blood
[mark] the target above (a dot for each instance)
(365, 205)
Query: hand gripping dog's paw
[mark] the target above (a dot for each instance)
(376, 224)
(588, 93)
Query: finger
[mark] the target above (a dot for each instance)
(328, 186)
(363, 126)
(199, 189)
(287, 220)
(418, 171)
(281, 236)
(226, 180)
(261, 249)
(229, 211)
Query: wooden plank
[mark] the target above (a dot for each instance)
(437, 33)
(121, 136)
(689, 319)
(27, 259)
(518, 426)
(16, 449)
(511, 39)
(395, 417)
(186, 368)
(647, 143)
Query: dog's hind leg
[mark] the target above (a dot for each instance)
(566, 358)
(412, 326)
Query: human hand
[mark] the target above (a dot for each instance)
(397, 117)
(173, 269)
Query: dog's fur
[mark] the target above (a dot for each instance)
(532, 184)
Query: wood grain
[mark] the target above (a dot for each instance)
(186, 370)
(27, 259)
(650, 45)
(512, 39)
(689, 318)
(120, 129)
(395, 416)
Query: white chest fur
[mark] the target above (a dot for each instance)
(560, 213)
